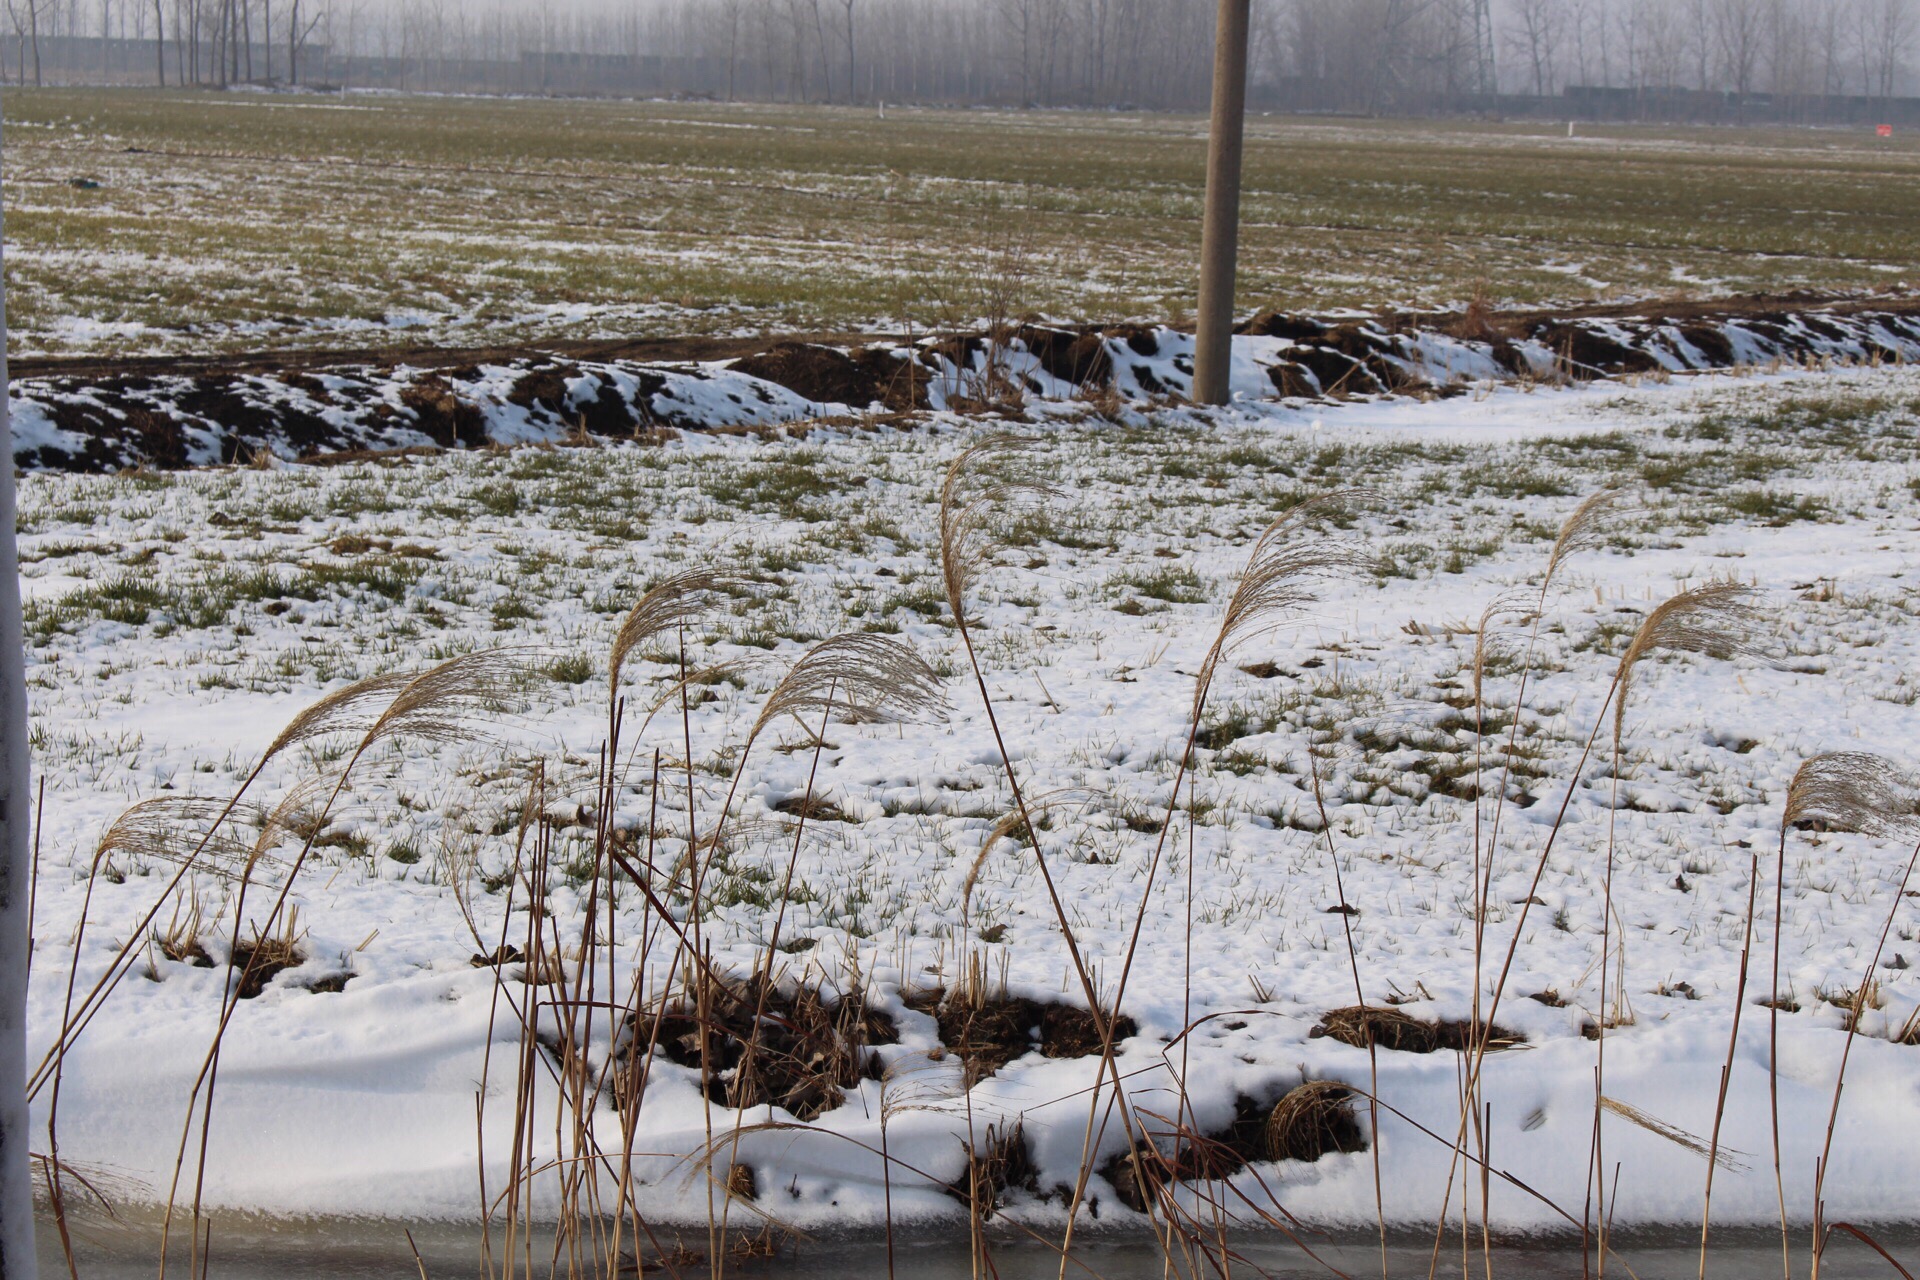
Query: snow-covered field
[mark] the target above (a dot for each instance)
(177, 621)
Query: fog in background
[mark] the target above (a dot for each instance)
(1661, 56)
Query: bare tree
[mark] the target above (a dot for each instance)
(853, 93)
(1538, 26)
(1740, 35)
(1888, 31)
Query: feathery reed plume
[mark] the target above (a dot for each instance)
(1853, 791)
(672, 691)
(1588, 528)
(1717, 619)
(1286, 565)
(679, 601)
(443, 704)
(162, 829)
(974, 490)
(354, 708)
(1850, 789)
(978, 486)
(103, 1188)
(351, 709)
(857, 678)
(860, 678)
(295, 815)
(1724, 1157)
(1488, 643)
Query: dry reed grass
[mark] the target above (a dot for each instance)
(1313, 1120)
(774, 1041)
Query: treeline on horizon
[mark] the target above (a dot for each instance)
(1339, 55)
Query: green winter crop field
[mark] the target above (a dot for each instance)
(196, 221)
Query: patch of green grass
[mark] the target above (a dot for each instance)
(1173, 584)
(1770, 506)
(574, 668)
(797, 487)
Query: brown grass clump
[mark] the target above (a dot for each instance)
(1364, 1025)
(794, 1049)
(180, 940)
(989, 1031)
(1002, 1162)
(1311, 1121)
(260, 959)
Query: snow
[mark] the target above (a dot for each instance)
(77, 423)
(363, 1101)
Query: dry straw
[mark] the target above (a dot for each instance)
(980, 485)
(857, 678)
(1289, 562)
(683, 600)
(1853, 791)
(1718, 620)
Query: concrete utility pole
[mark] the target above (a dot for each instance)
(17, 1261)
(1220, 232)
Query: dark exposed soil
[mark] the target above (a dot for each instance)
(826, 375)
(1306, 1122)
(796, 1050)
(989, 1033)
(259, 962)
(171, 412)
(1513, 324)
(1387, 1028)
(1080, 359)
(442, 415)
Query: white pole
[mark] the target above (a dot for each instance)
(17, 1260)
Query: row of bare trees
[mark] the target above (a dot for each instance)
(1317, 54)
(1742, 46)
(163, 41)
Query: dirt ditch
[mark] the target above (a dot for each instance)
(170, 413)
